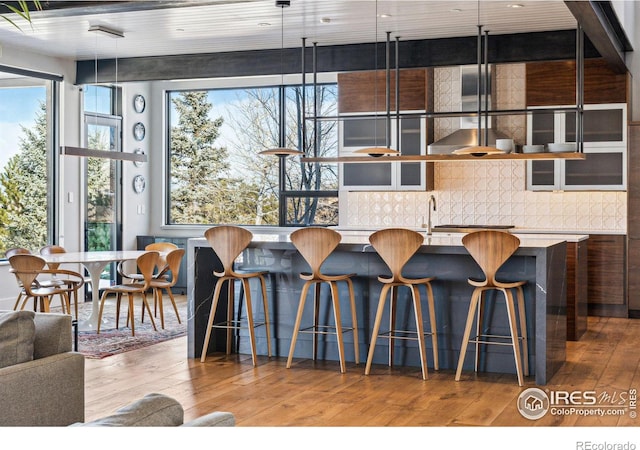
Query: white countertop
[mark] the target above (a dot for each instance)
(361, 237)
(522, 233)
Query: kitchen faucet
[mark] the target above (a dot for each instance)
(432, 201)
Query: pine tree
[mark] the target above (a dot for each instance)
(197, 165)
(23, 190)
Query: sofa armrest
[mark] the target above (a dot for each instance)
(53, 334)
(214, 419)
(44, 392)
(152, 410)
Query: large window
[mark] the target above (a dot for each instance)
(102, 132)
(26, 161)
(216, 174)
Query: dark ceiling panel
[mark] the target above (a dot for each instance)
(557, 45)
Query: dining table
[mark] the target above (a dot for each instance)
(95, 262)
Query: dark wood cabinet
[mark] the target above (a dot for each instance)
(362, 102)
(607, 261)
(554, 83)
(633, 220)
(362, 92)
(577, 289)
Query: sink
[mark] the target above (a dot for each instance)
(454, 228)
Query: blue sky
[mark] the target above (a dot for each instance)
(17, 107)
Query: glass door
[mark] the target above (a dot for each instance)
(102, 199)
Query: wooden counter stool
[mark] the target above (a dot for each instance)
(491, 249)
(228, 241)
(315, 244)
(396, 246)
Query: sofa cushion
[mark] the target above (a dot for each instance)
(17, 334)
(153, 410)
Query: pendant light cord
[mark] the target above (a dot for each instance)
(375, 80)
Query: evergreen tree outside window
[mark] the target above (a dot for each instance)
(216, 175)
(25, 164)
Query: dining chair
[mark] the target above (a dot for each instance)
(163, 248)
(146, 264)
(8, 254)
(227, 242)
(316, 244)
(173, 259)
(57, 249)
(490, 249)
(36, 282)
(396, 246)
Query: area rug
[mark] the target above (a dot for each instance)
(112, 341)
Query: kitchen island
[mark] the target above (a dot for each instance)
(540, 260)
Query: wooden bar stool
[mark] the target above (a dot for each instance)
(315, 244)
(228, 241)
(491, 249)
(396, 246)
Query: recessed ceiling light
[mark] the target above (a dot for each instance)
(264, 24)
(515, 5)
(456, 10)
(384, 16)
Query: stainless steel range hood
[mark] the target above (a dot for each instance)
(461, 138)
(467, 135)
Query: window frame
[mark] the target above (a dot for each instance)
(52, 102)
(284, 194)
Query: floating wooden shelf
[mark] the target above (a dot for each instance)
(447, 157)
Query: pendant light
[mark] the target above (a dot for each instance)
(482, 148)
(102, 30)
(282, 151)
(377, 151)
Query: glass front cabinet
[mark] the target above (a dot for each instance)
(361, 131)
(605, 148)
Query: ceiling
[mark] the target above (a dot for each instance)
(154, 28)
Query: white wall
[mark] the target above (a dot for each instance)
(136, 207)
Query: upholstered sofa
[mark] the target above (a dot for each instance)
(159, 410)
(41, 378)
(42, 381)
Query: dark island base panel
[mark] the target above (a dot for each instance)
(545, 294)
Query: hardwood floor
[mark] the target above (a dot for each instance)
(606, 360)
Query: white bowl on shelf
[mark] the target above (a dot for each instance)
(532, 148)
(562, 147)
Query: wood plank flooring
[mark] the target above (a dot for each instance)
(605, 360)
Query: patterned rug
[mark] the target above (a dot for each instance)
(112, 341)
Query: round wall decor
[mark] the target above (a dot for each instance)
(139, 131)
(138, 151)
(138, 103)
(139, 184)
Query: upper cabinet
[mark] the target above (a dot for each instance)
(362, 105)
(554, 83)
(605, 146)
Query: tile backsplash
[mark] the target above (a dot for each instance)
(486, 192)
